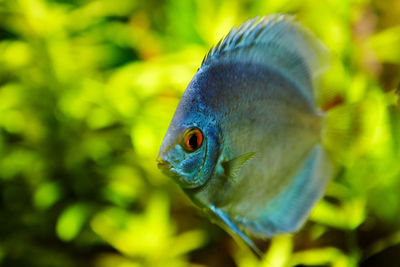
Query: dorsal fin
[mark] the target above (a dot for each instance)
(278, 42)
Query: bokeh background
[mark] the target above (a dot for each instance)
(87, 90)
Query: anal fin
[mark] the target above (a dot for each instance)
(288, 211)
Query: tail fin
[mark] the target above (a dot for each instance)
(352, 128)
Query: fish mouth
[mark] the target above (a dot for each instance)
(186, 180)
(166, 168)
(161, 164)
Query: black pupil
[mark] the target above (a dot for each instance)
(193, 141)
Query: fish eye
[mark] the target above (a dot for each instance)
(192, 140)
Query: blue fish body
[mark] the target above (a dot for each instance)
(245, 140)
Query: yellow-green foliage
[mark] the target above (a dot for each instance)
(87, 90)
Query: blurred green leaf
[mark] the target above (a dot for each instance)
(47, 194)
(349, 216)
(71, 221)
(323, 256)
(385, 45)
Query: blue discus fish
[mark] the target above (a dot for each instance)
(245, 141)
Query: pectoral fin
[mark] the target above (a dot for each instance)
(232, 167)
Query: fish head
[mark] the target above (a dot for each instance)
(190, 149)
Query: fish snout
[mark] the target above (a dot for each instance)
(166, 168)
(162, 164)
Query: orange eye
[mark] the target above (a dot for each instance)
(193, 139)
